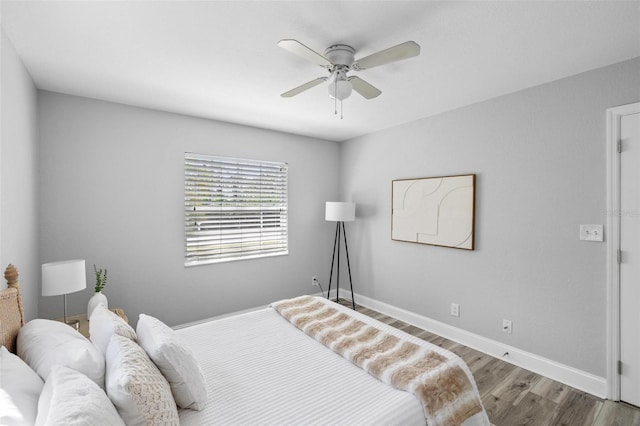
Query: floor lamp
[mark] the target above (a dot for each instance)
(63, 278)
(340, 213)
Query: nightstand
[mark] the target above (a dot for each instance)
(83, 322)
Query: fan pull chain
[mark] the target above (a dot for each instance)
(335, 98)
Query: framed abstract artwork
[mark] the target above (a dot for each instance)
(438, 211)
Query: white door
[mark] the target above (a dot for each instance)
(630, 262)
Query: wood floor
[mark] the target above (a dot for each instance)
(514, 396)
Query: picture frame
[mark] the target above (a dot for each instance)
(438, 211)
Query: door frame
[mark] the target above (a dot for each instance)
(614, 118)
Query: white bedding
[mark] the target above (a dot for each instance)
(262, 370)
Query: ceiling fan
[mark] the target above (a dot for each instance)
(339, 59)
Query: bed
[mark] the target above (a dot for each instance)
(305, 360)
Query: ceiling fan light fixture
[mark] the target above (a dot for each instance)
(339, 89)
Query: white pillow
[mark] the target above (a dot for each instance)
(20, 388)
(136, 387)
(104, 323)
(175, 360)
(71, 398)
(44, 343)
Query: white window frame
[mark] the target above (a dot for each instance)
(235, 209)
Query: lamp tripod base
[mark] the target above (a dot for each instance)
(336, 244)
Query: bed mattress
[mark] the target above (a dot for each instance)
(262, 370)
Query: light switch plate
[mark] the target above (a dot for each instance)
(592, 232)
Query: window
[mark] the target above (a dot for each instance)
(234, 209)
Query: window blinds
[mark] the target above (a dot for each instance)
(234, 209)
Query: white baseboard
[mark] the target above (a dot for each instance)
(562, 373)
(217, 317)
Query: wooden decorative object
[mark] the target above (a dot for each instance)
(11, 309)
(11, 274)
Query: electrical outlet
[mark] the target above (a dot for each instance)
(314, 281)
(455, 310)
(507, 326)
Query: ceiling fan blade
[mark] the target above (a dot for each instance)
(406, 50)
(365, 89)
(295, 47)
(303, 87)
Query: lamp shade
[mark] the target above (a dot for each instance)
(63, 277)
(340, 212)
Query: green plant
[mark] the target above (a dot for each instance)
(101, 278)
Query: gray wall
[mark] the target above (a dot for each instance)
(18, 175)
(111, 191)
(539, 156)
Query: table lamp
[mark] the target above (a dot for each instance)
(63, 278)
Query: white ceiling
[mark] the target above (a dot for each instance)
(220, 60)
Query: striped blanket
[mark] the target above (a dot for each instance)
(439, 380)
